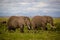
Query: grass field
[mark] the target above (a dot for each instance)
(42, 35)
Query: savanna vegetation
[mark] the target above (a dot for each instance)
(41, 35)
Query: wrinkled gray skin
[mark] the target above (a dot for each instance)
(27, 22)
(50, 20)
(38, 21)
(15, 22)
(41, 21)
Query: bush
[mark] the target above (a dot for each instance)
(2, 28)
(57, 26)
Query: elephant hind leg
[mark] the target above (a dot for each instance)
(10, 29)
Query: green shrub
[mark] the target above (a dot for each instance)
(57, 26)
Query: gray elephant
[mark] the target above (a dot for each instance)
(15, 22)
(38, 21)
(41, 21)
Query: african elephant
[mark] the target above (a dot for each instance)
(41, 21)
(38, 21)
(15, 22)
